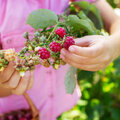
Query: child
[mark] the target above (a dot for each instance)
(48, 91)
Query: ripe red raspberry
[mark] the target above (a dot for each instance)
(44, 53)
(68, 42)
(23, 118)
(61, 32)
(55, 47)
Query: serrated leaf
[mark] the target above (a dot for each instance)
(77, 24)
(91, 9)
(42, 18)
(70, 81)
(82, 15)
(96, 13)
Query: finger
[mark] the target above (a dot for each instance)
(31, 81)
(13, 81)
(78, 59)
(85, 41)
(92, 51)
(94, 67)
(23, 85)
(82, 42)
(7, 73)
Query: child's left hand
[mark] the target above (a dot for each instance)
(91, 53)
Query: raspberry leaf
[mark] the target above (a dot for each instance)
(83, 16)
(77, 24)
(91, 11)
(70, 81)
(42, 18)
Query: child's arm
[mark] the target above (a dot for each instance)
(111, 20)
(96, 52)
(12, 82)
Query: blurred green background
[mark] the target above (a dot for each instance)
(100, 92)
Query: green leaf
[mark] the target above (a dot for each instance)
(85, 84)
(91, 9)
(70, 81)
(82, 15)
(96, 12)
(117, 66)
(78, 25)
(81, 74)
(42, 18)
(83, 5)
(82, 102)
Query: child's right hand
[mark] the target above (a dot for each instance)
(10, 78)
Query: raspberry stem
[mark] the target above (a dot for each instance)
(53, 31)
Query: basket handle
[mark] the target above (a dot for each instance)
(35, 111)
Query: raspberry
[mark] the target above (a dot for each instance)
(10, 117)
(44, 53)
(9, 55)
(61, 32)
(23, 118)
(68, 42)
(55, 47)
(28, 116)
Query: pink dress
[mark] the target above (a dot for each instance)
(48, 92)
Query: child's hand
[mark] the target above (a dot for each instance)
(91, 53)
(10, 78)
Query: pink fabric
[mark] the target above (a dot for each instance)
(48, 92)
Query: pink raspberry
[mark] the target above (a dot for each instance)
(55, 47)
(68, 42)
(61, 32)
(44, 53)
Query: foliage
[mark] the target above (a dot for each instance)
(70, 81)
(42, 18)
(89, 9)
(77, 25)
(113, 3)
(100, 95)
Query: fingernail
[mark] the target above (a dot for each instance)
(71, 49)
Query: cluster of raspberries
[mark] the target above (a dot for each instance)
(55, 46)
(17, 115)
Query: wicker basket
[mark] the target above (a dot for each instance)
(23, 114)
